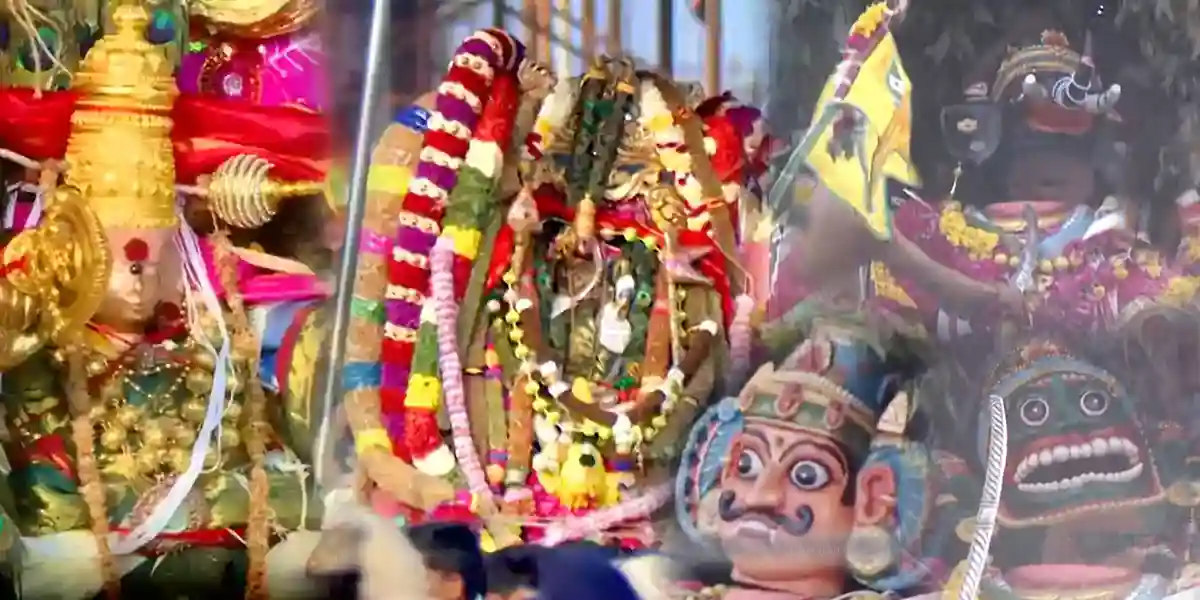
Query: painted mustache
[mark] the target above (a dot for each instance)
(796, 526)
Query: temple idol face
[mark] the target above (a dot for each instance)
(782, 512)
(1075, 448)
(1050, 175)
(143, 274)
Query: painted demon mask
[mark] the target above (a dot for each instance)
(1075, 441)
(770, 476)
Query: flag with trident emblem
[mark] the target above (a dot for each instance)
(860, 136)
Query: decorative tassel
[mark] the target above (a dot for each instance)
(442, 288)
(91, 483)
(247, 347)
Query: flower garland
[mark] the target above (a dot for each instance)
(380, 461)
(669, 142)
(451, 126)
(574, 528)
(452, 259)
(553, 115)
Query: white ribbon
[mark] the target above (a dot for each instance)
(35, 213)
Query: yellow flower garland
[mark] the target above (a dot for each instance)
(978, 243)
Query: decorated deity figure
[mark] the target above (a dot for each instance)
(1084, 506)
(1034, 240)
(553, 288)
(773, 476)
(155, 428)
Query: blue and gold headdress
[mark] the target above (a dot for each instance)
(835, 385)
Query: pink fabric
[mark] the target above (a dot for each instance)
(259, 286)
(291, 72)
(21, 212)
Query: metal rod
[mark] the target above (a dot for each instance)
(560, 29)
(499, 13)
(615, 13)
(712, 57)
(529, 20)
(355, 208)
(545, 48)
(588, 25)
(666, 37)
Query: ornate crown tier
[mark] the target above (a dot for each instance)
(119, 153)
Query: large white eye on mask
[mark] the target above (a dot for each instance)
(1034, 411)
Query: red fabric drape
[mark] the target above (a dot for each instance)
(36, 128)
(210, 131)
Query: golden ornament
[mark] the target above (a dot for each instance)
(194, 410)
(96, 366)
(113, 389)
(205, 360)
(129, 415)
(149, 460)
(185, 436)
(233, 411)
(98, 413)
(153, 435)
(230, 438)
(199, 381)
(127, 89)
(870, 551)
(241, 194)
(179, 459)
(112, 438)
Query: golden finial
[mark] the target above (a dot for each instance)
(241, 194)
(120, 153)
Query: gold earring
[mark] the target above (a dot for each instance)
(870, 551)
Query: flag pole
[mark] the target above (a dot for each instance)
(355, 208)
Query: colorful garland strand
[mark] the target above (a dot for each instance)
(470, 207)
(461, 98)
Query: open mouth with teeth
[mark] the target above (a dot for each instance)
(1056, 475)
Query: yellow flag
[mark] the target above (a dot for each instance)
(882, 93)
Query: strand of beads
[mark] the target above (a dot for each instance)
(91, 483)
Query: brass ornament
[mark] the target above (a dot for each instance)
(966, 530)
(120, 154)
(241, 193)
(62, 279)
(1184, 493)
(870, 551)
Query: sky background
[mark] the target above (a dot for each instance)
(745, 38)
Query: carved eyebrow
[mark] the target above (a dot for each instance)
(755, 433)
(826, 448)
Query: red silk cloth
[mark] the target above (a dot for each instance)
(210, 131)
(36, 128)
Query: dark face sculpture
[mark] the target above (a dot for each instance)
(1075, 448)
(1050, 175)
(783, 511)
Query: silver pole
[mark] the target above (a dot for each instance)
(355, 206)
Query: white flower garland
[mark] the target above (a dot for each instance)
(555, 111)
(670, 143)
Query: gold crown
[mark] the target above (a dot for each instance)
(119, 154)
